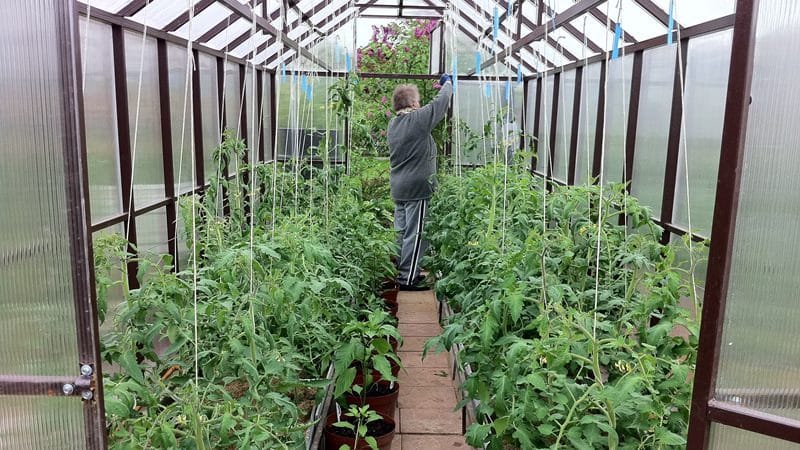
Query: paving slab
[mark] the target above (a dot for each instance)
(430, 421)
(419, 329)
(425, 377)
(413, 343)
(427, 397)
(432, 360)
(433, 442)
(417, 317)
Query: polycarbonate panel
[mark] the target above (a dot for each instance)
(652, 129)
(266, 113)
(435, 52)
(724, 437)
(545, 119)
(37, 317)
(760, 352)
(52, 423)
(159, 13)
(566, 103)
(151, 233)
(616, 125)
(204, 21)
(689, 13)
(107, 5)
(635, 21)
(105, 192)
(180, 99)
(473, 107)
(144, 111)
(233, 99)
(210, 112)
(587, 123)
(113, 275)
(707, 69)
(252, 110)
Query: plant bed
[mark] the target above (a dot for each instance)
(382, 430)
(381, 398)
(557, 340)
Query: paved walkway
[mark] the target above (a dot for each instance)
(427, 393)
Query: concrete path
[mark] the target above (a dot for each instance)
(427, 420)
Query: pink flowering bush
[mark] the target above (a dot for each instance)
(399, 47)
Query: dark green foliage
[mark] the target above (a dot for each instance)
(519, 266)
(271, 309)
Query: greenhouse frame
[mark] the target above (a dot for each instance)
(117, 111)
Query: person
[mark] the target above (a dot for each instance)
(412, 157)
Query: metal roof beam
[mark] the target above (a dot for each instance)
(570, 13)
(262, 23)
(217, 29)
(569, 28)
(612, 25)
(183, 19)
(472, 22)
(132, 8)
(657, 13)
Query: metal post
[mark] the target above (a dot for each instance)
(597, 162)
(673, 145)
(125, 158)
(167, 150)
(79, 221)
(724, 225)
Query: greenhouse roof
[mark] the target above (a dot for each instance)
(540, 35)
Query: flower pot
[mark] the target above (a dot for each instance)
(382, 430)
(382, 398)
(390, 295)
(392, 308)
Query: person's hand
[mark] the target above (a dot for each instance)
(444, 79)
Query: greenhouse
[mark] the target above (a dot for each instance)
(399, 224)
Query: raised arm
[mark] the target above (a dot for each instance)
(434, 112)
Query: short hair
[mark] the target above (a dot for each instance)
(405, 96)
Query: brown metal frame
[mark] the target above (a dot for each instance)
(706, 409)
(77, 213)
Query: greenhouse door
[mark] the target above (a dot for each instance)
(747, 383)
(49, 365)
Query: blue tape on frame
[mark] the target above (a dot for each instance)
(283, 71)
(508, 90)
(304, 82)
(519, 73)
(509, 7)
(477, 63)
(487, 91)
(671, 25)
(347, 62)
(617, 37)
(309, 92)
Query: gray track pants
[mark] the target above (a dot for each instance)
(409, 219)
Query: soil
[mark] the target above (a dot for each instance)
(237, 388)
(374, 429)
(305, 399)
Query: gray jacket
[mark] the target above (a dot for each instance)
(412, 152)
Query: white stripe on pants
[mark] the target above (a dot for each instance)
(409, 222)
